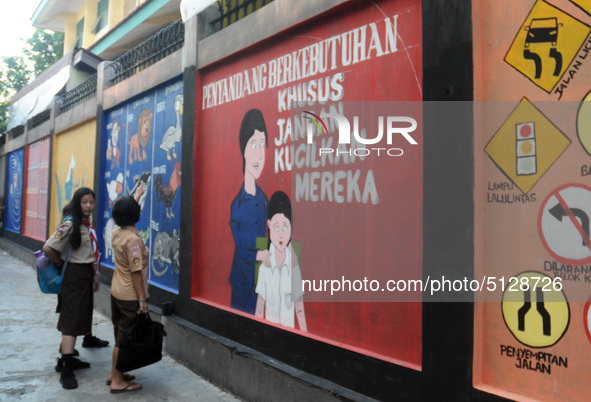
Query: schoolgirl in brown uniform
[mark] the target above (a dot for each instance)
(75, 234)
(129, 286)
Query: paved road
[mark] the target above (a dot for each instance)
(29, 346)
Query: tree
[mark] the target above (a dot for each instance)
(43, 49)
(13, 77)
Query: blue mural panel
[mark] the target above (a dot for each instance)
(166, 197)
(112, 179)
(138, 175)
(141, 156)
(14, 191)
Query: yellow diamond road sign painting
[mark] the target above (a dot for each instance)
(546, 44)
(526, 145)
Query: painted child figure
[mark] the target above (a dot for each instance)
(279, 287)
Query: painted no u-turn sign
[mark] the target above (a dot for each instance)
(563, 224)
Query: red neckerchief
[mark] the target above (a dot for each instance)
(92, 240)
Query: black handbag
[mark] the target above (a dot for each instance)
(141, 344)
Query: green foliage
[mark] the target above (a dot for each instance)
(43, 49)
(3, 116)
(14, 73)
(13, 77)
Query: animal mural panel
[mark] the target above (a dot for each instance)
(14, 191)
(127, 164)
(112, 177)
(166, 194)
(141, 157)
(114, 143)
(139, 142)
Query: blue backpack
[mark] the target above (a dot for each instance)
(49, 276)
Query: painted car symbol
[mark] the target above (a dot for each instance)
(542, 30)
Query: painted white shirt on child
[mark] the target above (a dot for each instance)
(276, 287)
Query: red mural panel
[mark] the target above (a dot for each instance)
(36, 191)
(372, 206)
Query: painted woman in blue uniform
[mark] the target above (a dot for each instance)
(248, 215)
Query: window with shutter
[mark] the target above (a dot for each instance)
(102, 15)
(79, 34)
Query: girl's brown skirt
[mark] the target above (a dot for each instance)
(77, 300)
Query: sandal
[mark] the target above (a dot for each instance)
(128, 388)
(126, 377)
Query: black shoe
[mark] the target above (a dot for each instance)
(91, 341)
(68, 378)
(77, 364)
(76, 353)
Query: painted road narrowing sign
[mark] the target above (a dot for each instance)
(535, 310)
(563, 224)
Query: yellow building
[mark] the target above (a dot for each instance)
(107, 28)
